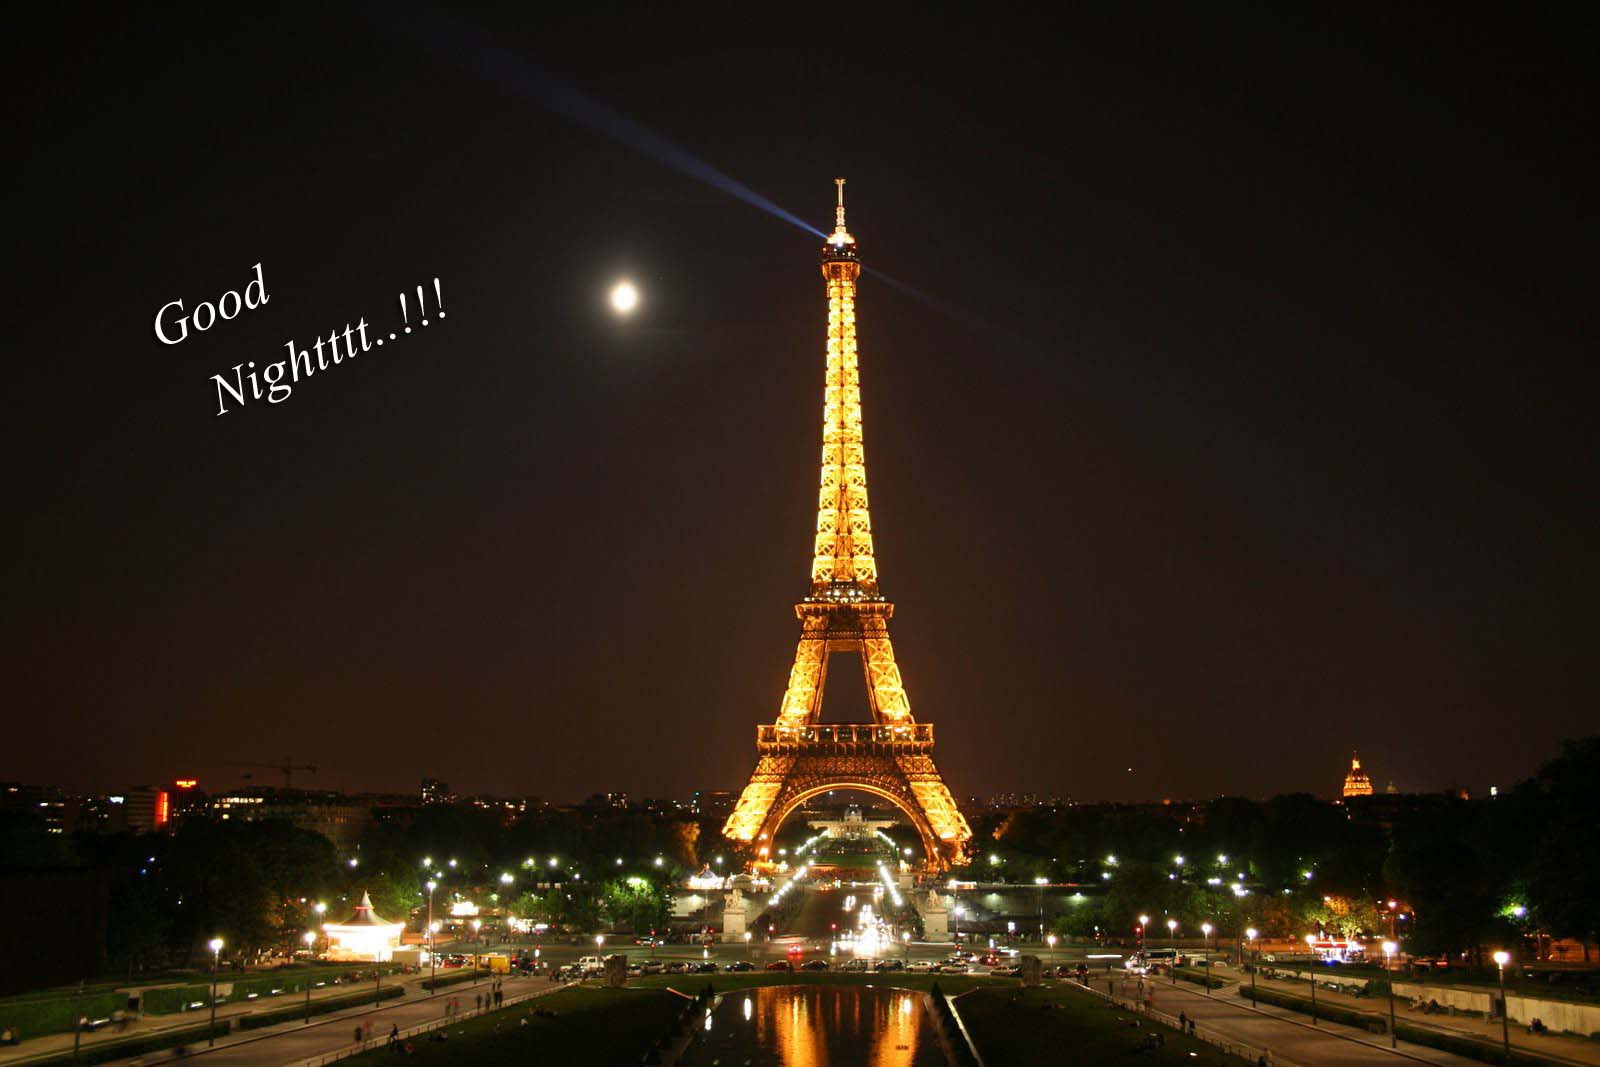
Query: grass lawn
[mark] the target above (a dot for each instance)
(592, 1026)
(1057, 1025)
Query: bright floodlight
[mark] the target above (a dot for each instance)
(1252, 933)
(1502, 958)
(1206, 928)
(624, 297)
(308, 937)
(1172, 924)
(1390, 948)
(215, 944)
(1144, 920)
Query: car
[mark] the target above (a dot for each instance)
(889, 965)
(954, 968)
(991, 959)
(920, 967)
(780, 965)
(856, 965)
(815, 965)
(650, 967)
(741, 965)
(1009, 970)
(675, 967)
(635, 970)
(703, 967)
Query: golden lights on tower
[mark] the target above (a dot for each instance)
(845, 611)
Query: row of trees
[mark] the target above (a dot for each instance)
(1464, 873)
(258, 884)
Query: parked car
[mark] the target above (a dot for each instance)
(920, 967)
(741, 965)
(1009, 970)
(779, 965)
(675, 967)
(815, 965)
(889, 965)
(856, 965)
(954, 968)
(703, 967)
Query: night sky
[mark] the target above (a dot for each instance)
(1245, 420)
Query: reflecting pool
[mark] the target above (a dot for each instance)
(818, 1026)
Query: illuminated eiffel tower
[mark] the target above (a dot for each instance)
(891, 757)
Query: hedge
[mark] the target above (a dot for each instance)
(104, 1051)
(34, 1018)
(166, 1001)
(1198, 977)
(256, 1020)
(452, 979)
(1486, 1051)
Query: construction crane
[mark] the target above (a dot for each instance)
(287, 767)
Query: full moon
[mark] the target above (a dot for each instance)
(624, 297)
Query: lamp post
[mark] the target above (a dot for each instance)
(747, 946)
(433, 964)
(310, 938)
(1205, 929)
(216, 958)
(1501, 958)
(1389, 948)
(1144, 920)
(1251, 934)
(1041, 881)
(1172, 939)
(477, 925)
(1311, 946)
(1050, 940)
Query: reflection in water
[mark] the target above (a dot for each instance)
(818, 1026)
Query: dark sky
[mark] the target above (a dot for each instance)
(1249, 422)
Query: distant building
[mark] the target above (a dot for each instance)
(1356, 783)
(436, 792)
(330, 814)
(713, 803)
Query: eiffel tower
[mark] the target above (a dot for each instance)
(891, 757)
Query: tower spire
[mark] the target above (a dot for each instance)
(838, 213)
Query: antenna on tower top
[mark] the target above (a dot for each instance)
(838, 214)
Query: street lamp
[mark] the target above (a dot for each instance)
(1205, 929)
(477, 925)
(1251, 934)
(1172, 939)
(433, 965)
(1311, 946)
(1501, 958)
(215, 945)
(1041, 881)
(747, 945)
(310, 938)
(905, 939)
(1144, 920)
(1389, 949)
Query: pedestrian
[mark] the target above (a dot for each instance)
(1191, 1027)
(479, 999)
(358, 1033)
(1183, 1021)
(394, 1033)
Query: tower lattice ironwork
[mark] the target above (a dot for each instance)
(892, 757)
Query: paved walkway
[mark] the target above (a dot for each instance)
(1291, 1042)
(1573, 1049)
(330, 1037)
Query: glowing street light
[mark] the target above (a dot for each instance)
(1311, 944)
(215, 944)
(1389, 949)
(1501, 958)
(310, 938)
(1172, 937)
(1251, 934)
(624, 298)
(1205, 929)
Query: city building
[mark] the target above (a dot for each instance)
(1356, 783)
